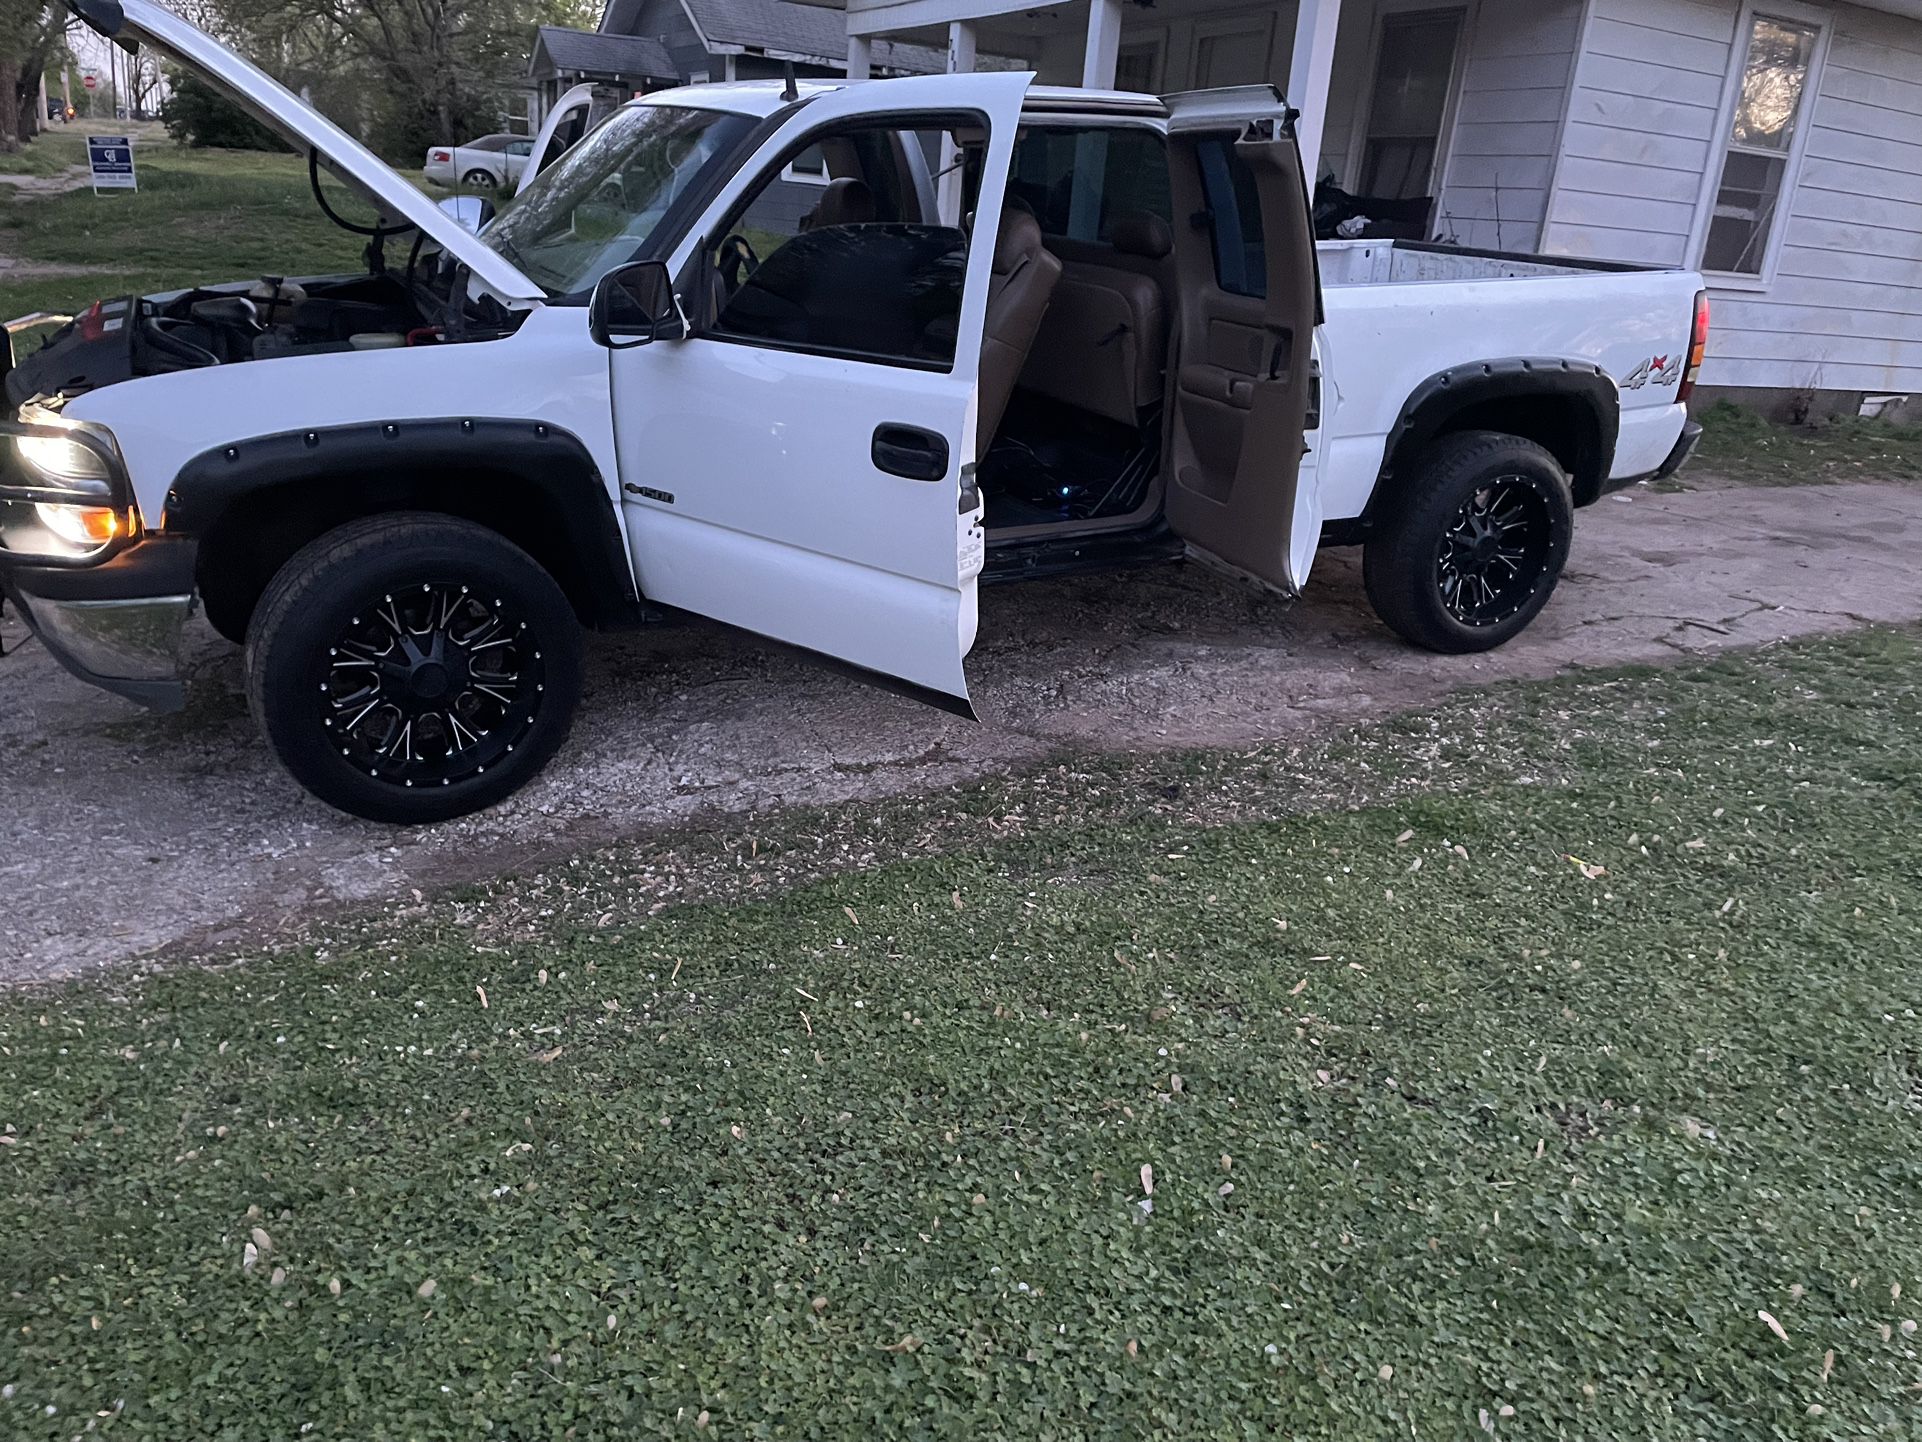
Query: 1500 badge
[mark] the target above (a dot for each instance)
(1663, 370)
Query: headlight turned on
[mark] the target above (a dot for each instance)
(87, 528)
(63, 462)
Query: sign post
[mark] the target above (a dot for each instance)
(110, 158)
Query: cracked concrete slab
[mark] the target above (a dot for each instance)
(126, 833)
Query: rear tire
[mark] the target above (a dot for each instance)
(413, 667)
(478, 179)
(1474, 543)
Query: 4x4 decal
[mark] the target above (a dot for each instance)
(1663, 370)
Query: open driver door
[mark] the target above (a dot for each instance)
(1239, 468)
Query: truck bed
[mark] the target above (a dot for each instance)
(1410, 262)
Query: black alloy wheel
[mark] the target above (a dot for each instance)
(1468, 541)
(413, 667)
(1491, 556)
(431, 685)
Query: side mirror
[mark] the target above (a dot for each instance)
(635, 304)
(470, 212)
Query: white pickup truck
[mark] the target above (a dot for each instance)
(813, 361)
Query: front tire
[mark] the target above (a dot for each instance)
(413, 667)
(1474, 545)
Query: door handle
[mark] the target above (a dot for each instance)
(910, 452)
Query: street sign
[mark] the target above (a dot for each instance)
(90, 81)
(110, 158)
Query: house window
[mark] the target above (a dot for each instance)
(1414, 71)
(1762, 132)
(1138, 67)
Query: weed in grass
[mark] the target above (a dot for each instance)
(1511, 1108)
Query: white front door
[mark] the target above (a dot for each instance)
(802, 466)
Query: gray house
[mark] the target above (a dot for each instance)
(755, 39)
(565, 58)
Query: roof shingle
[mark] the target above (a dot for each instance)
(585, 52)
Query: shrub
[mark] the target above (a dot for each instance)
(198, 115)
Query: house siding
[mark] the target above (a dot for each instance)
(1642, 123)
(1843, 309)
(667, 22)
(1514, 91)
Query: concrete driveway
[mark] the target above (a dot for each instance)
(125, 833)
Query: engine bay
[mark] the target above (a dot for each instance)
(275, 317)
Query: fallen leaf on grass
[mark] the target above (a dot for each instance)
(1405, 837)
(907, 1344)
(481, 992)
(1299, 987)
(1133, 1348)
(1828, 1363)
(1147, 1179)
(549, 1055)
(1773, 1325)
(427, 1289)
(851, 916)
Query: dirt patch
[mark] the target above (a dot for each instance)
(74, 177)
(127, 833)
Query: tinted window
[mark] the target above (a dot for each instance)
(1078, 182)
(1234, 214)
(848, 260)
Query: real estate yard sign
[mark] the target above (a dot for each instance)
(110, 158)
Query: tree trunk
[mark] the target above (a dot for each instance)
(9, 104)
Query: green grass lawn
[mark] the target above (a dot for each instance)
(198, 216)
(1502, 1103)
(1742, 446)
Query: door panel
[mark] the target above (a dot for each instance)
(762, 473)
(1238, 490)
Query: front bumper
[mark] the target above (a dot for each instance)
(118, 625)
(115, 620)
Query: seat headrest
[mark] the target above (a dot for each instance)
(1139, 233)
(1019, 238)
(846, 201)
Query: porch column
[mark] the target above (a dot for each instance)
(961, 51)
(1104, 44)
(960, 47)
(1310, 65)
(860, 57)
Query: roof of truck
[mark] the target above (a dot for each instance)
(763, 97)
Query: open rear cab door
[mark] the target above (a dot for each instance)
(1240, 477)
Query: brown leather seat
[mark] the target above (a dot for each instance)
(1023, 280)
(1103, 346)
(845, 201)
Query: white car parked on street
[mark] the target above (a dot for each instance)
(670, 379)
(493, 162)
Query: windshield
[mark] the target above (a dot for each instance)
(599, 205)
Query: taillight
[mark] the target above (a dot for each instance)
(1697, 346)
(92, 323)
(441, 155)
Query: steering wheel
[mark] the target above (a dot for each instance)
(736, 261)
(159, 331)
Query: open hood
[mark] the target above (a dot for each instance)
(132, 23)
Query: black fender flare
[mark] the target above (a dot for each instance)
(1587, 453)
(370, 466)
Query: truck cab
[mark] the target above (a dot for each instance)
(813, 361)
